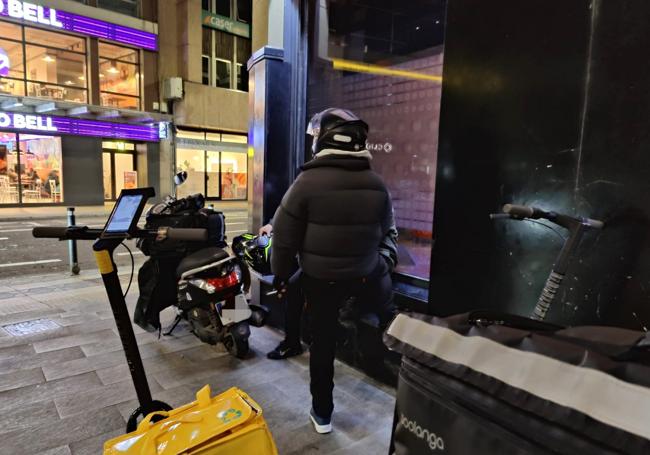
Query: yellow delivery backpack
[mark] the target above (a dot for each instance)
(228, 424)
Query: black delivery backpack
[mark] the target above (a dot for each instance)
(482, 383)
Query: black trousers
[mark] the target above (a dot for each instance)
(293, 314)
(324, 299)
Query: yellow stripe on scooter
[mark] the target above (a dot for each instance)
(104, 262)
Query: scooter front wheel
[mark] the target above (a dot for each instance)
(141, 412)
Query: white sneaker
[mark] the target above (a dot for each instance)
(321, 425)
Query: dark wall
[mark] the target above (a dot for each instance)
(511, 115)
(82, 171)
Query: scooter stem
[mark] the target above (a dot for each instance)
(103, 249)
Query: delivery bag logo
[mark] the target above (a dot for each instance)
(434, 441)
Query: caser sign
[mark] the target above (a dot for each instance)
(26, 122)
(30, 12)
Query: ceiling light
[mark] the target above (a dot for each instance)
(68, 82)
(49, 59)
(101, 75)
(81, 78)
(113, 70)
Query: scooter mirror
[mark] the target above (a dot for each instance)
(180, 178)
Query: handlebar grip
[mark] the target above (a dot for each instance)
(519, 211)
(187, 234)
(50, 232)
(596, 224)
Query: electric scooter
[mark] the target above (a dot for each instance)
(122, 225)
(576, 227)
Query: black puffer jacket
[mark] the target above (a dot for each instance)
(335, 216)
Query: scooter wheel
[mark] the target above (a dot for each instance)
(236, 346)
(141, 412)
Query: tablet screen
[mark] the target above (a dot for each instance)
(124, 213)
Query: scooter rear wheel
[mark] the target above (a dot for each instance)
(142, 412)
(236, 346)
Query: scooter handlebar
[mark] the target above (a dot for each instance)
(187, 234)
(50, 232)
(519, 211)
(596, 224)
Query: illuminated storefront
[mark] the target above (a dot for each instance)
(216, 164)
(73, 125)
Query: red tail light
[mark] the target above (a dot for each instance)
(224, 282)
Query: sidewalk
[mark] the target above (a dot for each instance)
(65, 386)
(88, 211)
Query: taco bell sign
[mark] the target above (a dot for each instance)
(26, 122)
(42, 15)
(30, 12)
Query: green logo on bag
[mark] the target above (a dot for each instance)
(229, 415)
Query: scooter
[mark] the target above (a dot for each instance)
(122, 225)
(211, 282)
(576, 227)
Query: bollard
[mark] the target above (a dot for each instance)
(72, 245)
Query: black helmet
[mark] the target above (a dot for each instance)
(338, 129)
(255, 251)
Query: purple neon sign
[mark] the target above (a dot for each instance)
(42, 15)
(77, 127)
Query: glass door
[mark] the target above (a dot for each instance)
(108, 175)
(119, 168)
(213, 185)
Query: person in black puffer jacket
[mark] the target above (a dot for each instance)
(336, 216)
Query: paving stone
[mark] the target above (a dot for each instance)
(165, 362)
(14, 351)
(44, 359)
(57, 433)
(82, 365)
(94, 445)
(22, 378)
(21, 304)
(377, 443)
(304, 440)
(25, 417)
(49, 390)
(63, 450)
(73, 340)
(98, 398)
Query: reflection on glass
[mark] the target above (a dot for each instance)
(11, 59)
(124, 167)
(12, 87)
(9, 169)
(234, 175)
(212, 177)
(41, 165)
(119, 76)
(193, 162)
(10, 31)
(55, 66)
(108, 176)
(223, 74)
(128, 7)
(188, 134)
(402, 111)
(120, 101)
(56, 92)
(57, 40)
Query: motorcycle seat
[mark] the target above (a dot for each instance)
(199, 259)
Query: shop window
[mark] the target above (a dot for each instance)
(350, 67)
(128, 7)
(119, 76)
(31, 169)
(224, 54)
(221, 173)
(43, 64)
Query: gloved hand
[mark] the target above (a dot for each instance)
(281, 285)
(266, 230)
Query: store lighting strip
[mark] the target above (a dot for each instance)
(358, 67)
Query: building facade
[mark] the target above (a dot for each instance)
(207, 43)
(79, 100)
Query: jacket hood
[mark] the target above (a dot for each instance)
(350, 163)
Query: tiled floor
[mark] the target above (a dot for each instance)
(65, 391)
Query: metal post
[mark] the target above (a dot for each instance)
(72, 245)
